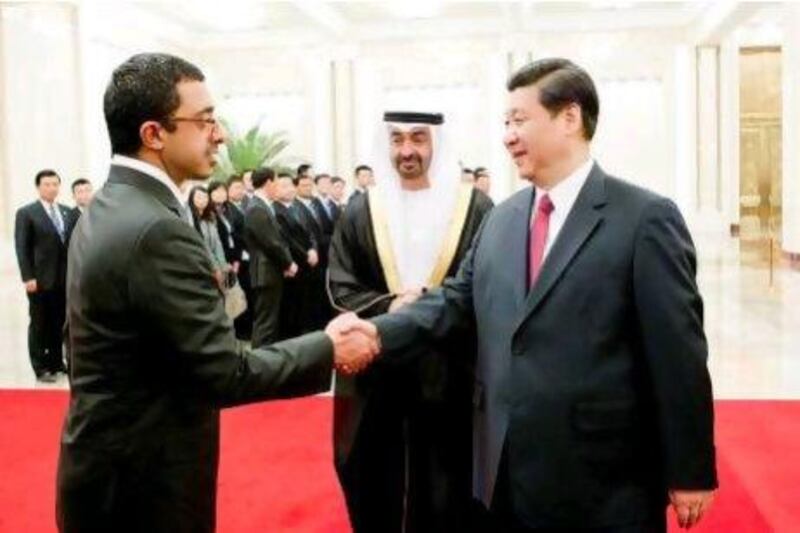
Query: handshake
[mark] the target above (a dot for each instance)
(355, 343)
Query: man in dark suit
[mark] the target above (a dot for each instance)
(81, 194)
(154, 356)
(364, 180)
(337, 194)
(326, 209)
(270, 259)
(593, 404)
(304, 211)
(321, 227)
(41, 234)
(295, 304)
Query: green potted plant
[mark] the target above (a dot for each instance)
(254, 149)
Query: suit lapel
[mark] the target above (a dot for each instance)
(515, 248)
(48, 220)
(581, 222)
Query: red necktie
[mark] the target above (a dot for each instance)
(541, 223)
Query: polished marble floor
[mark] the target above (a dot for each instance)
(753, 327)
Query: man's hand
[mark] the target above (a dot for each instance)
(408, 297)
(291, 271)
(313, 258)
(30, 286)
(690, 506)
(355, 343)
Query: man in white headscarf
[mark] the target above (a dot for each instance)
(403, 430)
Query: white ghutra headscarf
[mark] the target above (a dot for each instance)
(418, 221)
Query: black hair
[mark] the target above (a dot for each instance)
(561, 83)
(46, 173)
(145, 87)
(261, 176)
(78, 182)
(208, 212)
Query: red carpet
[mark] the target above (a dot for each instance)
(276, 473)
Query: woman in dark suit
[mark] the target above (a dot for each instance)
(232, 243)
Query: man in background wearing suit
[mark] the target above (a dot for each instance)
(324, 205)
(295, 304)
(321, 227)
(270, 259)
(154, 355)
(41, 234)
(364, 180)
(338, 187)
(593, 404)
(81, 194)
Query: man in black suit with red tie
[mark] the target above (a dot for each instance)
(41, 234)
(593, 406)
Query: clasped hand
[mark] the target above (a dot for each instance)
(355, 343)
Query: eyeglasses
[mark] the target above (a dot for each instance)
(207, 123)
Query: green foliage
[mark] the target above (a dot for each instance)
(252, 150)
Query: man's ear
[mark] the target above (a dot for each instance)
(150, 133)
(573, 119)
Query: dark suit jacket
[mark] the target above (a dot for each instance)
(41, 254)
(326, 221)
(74, 218)
(153, 359)
(269, 254)
(315, 227)
(299, 239)
(236, 217)
(595, 381)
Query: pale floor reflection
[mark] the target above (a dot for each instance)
(753, 328)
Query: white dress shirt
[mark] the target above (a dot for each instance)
(563, 197)
(151, 170)
(266, 200)
(55, 208)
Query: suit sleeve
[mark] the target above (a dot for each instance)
(436, 314)
(306, 221)
(670, 316)
(266, 235)
(297, 250)
(23, 241)
(172, 289)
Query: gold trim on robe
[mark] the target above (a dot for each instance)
(380, 230)
(383, 242)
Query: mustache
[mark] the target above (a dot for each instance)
(405, 159)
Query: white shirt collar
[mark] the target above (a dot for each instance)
(306, 201)
(564, 194)
(47, 205)
(151, 170)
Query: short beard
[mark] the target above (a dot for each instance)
(399, 163)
